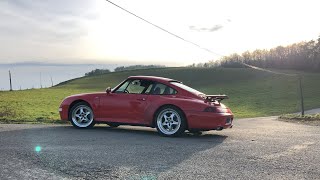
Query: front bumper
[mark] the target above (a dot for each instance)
(63, 111)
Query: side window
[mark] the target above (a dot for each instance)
(135, 87)
(123, 87)
(168, 90)
(148, 90)
(161, 89)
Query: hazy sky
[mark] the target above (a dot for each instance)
(94, 31)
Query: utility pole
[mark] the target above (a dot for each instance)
(40, 81)
(51, 81)
(301, 96)
(10, 80)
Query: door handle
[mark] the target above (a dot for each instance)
(141, 99)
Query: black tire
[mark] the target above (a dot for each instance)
(81, 115)
(114, 125)
(172, 125)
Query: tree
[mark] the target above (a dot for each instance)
(97, 72)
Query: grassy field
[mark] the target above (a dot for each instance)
(252, 93)
(36, 105)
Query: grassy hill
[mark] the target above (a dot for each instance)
(252, 93)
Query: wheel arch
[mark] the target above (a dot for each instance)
(157, 110)
(76, 102)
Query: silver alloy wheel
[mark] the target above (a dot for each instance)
(82, 116)
(169, 121)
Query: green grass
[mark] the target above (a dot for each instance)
(252, 93)
(37, 105)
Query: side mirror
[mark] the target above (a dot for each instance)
(108, 90)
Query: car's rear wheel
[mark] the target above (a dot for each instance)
(111, 124)
(170, 121)
(82, 115)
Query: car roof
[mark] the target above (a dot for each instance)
(152, 78)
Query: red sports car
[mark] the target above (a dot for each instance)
(166, 104)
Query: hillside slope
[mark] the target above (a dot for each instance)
(252, 93)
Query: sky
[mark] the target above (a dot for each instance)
(96, 32)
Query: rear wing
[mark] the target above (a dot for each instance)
(219, 98)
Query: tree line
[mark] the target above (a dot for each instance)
(122, 68)
(135, 67)
(97, 72)
(303, 56)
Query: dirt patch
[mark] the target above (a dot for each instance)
(313, 122)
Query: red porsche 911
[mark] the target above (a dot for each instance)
(162, 103)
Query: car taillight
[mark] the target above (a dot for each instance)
(222, 110)
(229, 120)
(210, 109)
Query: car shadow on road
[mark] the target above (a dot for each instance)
(153, 132)
(124, 152)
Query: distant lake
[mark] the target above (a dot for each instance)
(26, 76)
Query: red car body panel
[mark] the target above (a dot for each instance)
(140, 109)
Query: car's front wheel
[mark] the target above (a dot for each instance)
(82, 115)
(170, 121)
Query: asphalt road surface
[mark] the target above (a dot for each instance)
(257, 148)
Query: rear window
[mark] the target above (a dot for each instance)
(187, 88)
(161, 89)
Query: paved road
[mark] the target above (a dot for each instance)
(257, 148)
(312, 111)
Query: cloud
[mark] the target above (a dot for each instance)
(203, 29)
(42, 29)
(41, 9)
(44, 20)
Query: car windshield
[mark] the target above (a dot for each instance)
(187, 88)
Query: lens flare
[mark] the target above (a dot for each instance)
(37, 149)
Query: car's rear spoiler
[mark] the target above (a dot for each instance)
(219, 98)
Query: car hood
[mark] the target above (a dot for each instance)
(86, 94)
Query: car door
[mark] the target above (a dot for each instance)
(127, 103)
